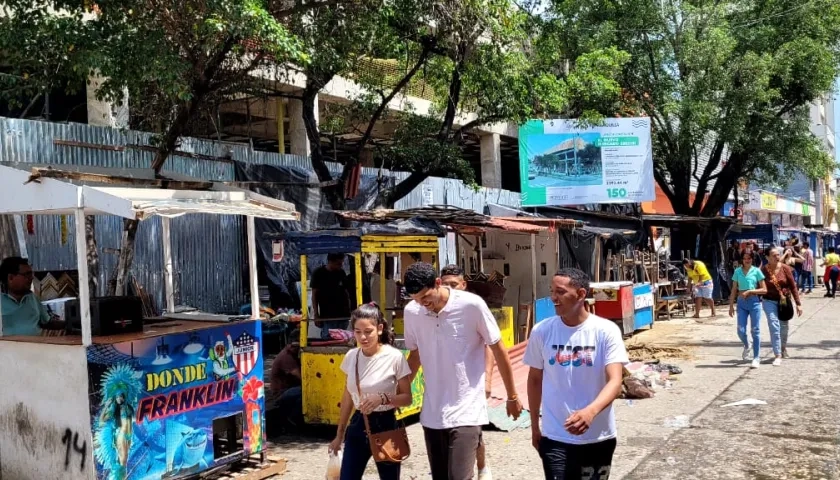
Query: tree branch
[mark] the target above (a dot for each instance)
(383, 105)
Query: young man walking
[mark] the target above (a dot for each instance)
(576, 361)
(452, 276)
(446, 331)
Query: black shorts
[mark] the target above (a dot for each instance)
(565, 461)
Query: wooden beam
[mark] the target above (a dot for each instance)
(38, 173)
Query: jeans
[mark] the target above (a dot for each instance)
(806, 280)
(290, 403)
(783, 333)
(771, 310)
(357, 447)
(563, 461)
(750, 308)
(833, 275)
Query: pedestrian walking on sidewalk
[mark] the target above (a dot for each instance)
(782, 292)
(747, 287)
(576, 362)
(806, 279)
(703, 285)
(452, 276)
(832, 272)
(446, 332)
(378, 381)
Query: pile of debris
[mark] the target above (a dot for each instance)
(643, 379)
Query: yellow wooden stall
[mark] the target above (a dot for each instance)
(322, 379)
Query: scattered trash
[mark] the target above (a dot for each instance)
(666, 367)
(629, 403)
(747, 401)
(668, 384)
(680, 421)
(671, 461)
(633, 388)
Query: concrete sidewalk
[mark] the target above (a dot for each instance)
(793, 436)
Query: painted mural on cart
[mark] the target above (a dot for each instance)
(155, 401)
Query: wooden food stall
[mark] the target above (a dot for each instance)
(322, 379)
(113, 398)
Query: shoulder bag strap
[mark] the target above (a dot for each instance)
(359, 389)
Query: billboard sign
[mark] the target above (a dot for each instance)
(562, 164)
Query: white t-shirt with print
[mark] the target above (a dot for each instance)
(573, 361)
(452, 345)
(379, 373)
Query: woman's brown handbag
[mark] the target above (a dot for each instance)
(390, 446)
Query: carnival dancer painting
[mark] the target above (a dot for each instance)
(120, 389)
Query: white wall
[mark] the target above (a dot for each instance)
(516, 250)
(43, 398)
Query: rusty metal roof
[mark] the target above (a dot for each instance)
(463, 220)
(497, 403)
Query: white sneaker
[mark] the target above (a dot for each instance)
(747, 353)
(485, 474)
(755, 363)
(777, 362)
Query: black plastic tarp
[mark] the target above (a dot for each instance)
(299, 187)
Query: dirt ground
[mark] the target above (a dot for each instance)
(708, 352)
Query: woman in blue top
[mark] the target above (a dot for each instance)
(747, 286)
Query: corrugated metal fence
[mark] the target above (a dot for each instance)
(208, 250)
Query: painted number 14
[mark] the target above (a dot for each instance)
(616, 192)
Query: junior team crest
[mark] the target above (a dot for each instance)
(246, 353)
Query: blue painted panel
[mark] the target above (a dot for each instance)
(544, 309)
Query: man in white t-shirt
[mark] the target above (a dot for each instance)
(576, 361)
(446, 331)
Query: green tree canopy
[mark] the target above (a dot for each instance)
(487, 61)
(728, 85)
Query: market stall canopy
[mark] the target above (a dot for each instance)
(462, 220)
(57, 192)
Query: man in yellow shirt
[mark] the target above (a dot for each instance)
(832, 271)
(703, 285)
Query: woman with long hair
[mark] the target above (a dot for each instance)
(381, 386)
(780, 284)
(748, 286)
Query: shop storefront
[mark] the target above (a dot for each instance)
(767, 207)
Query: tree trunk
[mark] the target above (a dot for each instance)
(388, 197)
(92, 255)
(117, 284)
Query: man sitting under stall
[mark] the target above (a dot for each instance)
(330, 297)
(286, 382)
(22, 312)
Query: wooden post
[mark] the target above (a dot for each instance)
(597, 259)
(478, 239)
(252, 268)
(304, 303)
(168, 269)
(84, 281)
(382, 271)
(533, 271)
(357, 259)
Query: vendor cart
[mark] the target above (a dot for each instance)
(168, 400)
(322, 379)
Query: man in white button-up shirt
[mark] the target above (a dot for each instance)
(446, 331)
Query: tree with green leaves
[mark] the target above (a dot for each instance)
(488, 61)
(727, 84)
(175, 59)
